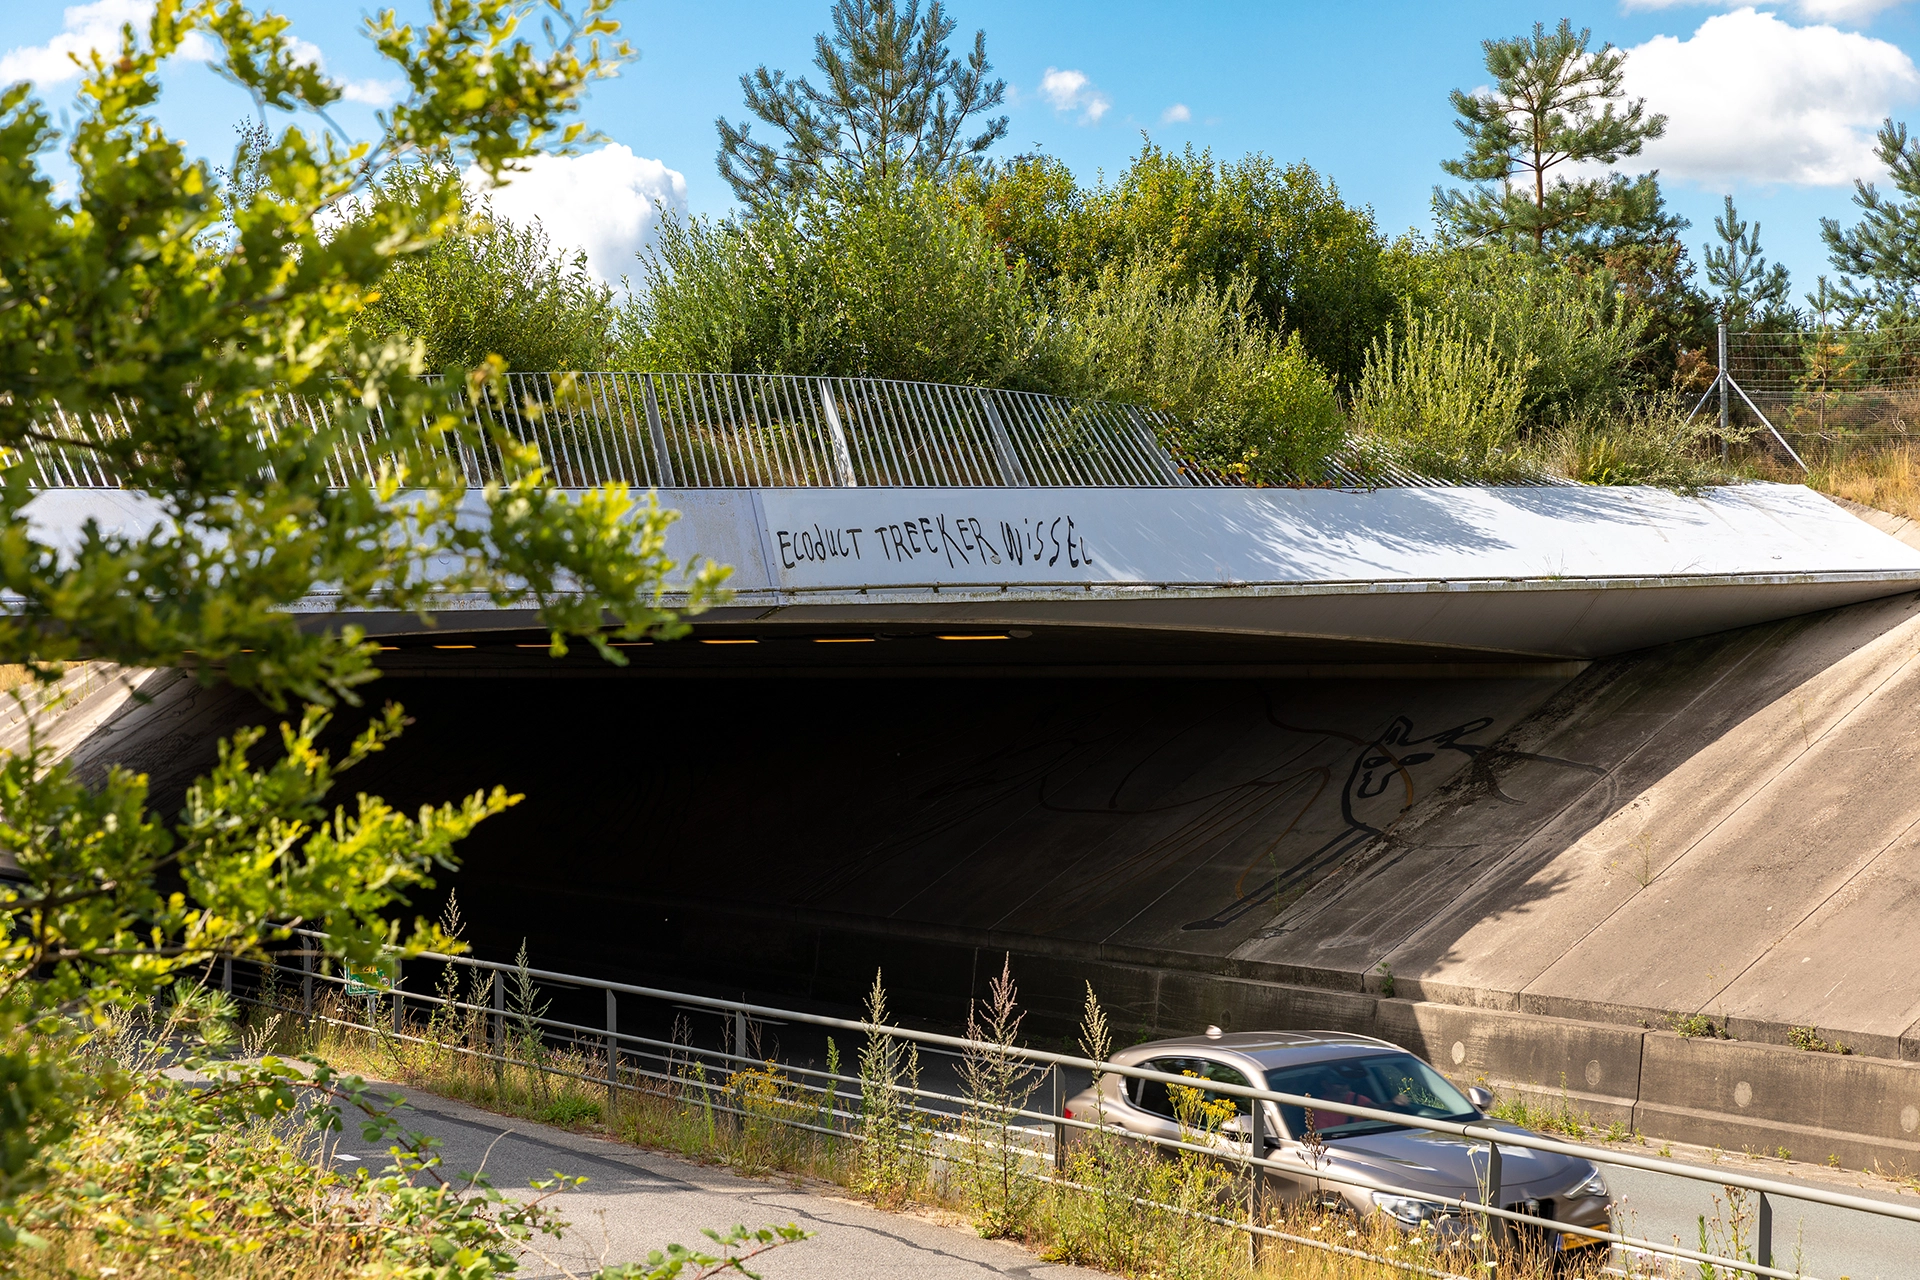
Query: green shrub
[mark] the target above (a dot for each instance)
(488, 287)
(1576, 336)
(1444, 400)
(858, 280)
(1313, 263)
(1248, 401)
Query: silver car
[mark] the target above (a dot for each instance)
(1394, 1164)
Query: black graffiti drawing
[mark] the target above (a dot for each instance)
(1377, 765)
(1136, 855)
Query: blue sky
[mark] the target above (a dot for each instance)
(1775, 105)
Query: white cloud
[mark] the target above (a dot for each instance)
(372, 93)
(1072, 91)
(606, 203)
(84, 28)
(1751, 98)
(1176, 114)
(1852, 11)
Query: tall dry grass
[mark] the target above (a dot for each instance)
(1887, 479)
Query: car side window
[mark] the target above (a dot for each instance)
(1151, 1095)
(1154, 1096)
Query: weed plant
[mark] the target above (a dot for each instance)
(1114, 1204)
(198, 1160)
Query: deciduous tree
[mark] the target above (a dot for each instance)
(144, 291)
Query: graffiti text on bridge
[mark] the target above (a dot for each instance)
(1046, 541)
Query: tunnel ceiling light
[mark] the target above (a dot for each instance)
(630, 644)
(548, 645)
(843, 639)
(453, 646)
(729, 640)
(1000, 637)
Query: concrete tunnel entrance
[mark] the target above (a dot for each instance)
(788, 836)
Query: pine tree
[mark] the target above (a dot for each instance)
(1749, 288)
(894, 104)
(1554, 101)
(1883, 248)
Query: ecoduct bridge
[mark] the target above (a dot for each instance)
(1509, 774)
(861, 509)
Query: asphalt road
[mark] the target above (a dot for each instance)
(636, 1201)
(1822, 1241)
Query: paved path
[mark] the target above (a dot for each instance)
(635, 1201)
(1829, 1242)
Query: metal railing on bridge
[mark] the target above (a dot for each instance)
(728, 431)
(629, 1062)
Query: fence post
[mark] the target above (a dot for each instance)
(1489, 1252)
(1763, 1233)
(497, 1032)
(1059, 1130)
(661, 457)
(613, 1051)
(399, 1005)
(837, 437)
(739, 1035)
(226, 976)
(1257, 1186)
(1011, 472)
(306, 980)
(1723, 390)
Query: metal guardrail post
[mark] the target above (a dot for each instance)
(399, 1002)
(661, 459)
(1011, 472)
(1257, 1185)
(842, 456)
(226, 976)
(613, 1051)
(1489, 1251)
(1763, 1232)
(738, 1014)
(306, 983)
(497, 1021)
(1059, 1108)
(740, 1033)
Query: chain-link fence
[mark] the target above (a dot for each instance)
(1829, 389)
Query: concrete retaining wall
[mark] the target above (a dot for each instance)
(1736, 1095)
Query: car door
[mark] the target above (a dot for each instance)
(1154, 1099)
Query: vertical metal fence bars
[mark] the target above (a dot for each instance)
(743, 430)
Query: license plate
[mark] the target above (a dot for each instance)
(1569, 1242)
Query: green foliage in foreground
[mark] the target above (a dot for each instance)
(203, 1165)
(157, 293)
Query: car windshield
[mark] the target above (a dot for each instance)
(1383, 1081)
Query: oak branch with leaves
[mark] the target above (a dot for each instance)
(150, 290)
